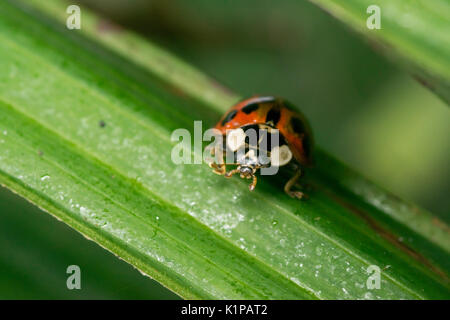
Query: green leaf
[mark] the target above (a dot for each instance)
(415, 33)
(35, 251)
(85, 125)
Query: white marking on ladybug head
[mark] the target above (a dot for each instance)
(235, 139)
(279, 156)
(251, 154)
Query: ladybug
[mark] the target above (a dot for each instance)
(269, 115)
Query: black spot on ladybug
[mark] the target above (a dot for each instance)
(273, 116)
(102, 124)
(229, 117)
(266, 139)
(250, 108)
(297, 125)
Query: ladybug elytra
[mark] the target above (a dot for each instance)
(266, 116)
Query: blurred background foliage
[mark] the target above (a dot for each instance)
(363, 110)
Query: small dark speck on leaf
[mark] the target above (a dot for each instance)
(40, 153)
(108, 26)
(102, 124)
(423, 81)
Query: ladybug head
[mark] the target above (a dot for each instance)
(260, 152)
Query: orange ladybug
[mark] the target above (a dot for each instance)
(267, 116)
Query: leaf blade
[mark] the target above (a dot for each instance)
(266, 233)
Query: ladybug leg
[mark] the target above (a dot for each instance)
(220, 168)
(291, 182)
(238, 170)
(230, 173)
(253, 185)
